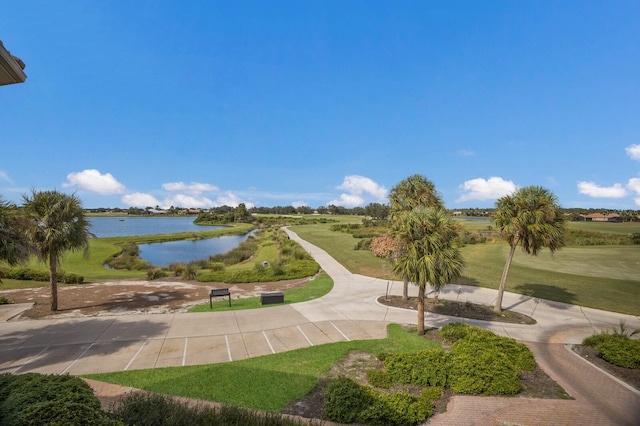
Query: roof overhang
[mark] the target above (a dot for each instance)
(10, 68)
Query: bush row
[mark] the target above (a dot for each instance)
(349, 402)
(275, 272)
(35, 399)
(27, 274)
(617, 348)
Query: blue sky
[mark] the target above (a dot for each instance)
(207, 103)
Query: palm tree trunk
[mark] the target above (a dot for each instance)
(53, 281)
(421, 289)
(405, 288)
(503, 281)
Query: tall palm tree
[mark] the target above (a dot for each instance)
(14, 246)
(432, 254)
(529, 218)
(58, 224)
(412, 192)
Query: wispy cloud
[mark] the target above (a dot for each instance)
(486, 189)
(466, 153)
(93, 180)
(193, 187)
(593, 190)
(5, 176)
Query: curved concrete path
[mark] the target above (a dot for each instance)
(348, 312)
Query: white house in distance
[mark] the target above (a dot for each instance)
(11, 68)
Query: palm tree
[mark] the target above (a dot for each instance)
(529, 218)
(14, 246)
(432, 256)
(414, 191)
(58, 224)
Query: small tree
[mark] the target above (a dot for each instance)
(14, 245)
(431, 254)
(529, 218)
(57, 224)
(412, 192)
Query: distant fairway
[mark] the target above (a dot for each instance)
(602, 277)
(619, 262)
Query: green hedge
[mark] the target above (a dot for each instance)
(422, 368)
(621, 351)
(36, 399)
(290, 270)
(484, 372)
(348, 402)
(27, 274)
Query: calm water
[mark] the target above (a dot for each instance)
(162, 254)
(104, 227)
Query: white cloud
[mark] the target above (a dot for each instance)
(466, 153)
(188, 201)
(232, 200)
(633, 151)
(138, 199)
(93, 180)
(347, 200)
(634, 185)
(193, 187)
(359, 185)
(483, 190)
(297, 204)
(593, 190)
(5, 176)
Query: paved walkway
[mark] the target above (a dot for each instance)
(348, 312)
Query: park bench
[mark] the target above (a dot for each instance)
(271, 298)
(219, 292)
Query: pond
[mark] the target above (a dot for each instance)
(162, 254)
(125, 226)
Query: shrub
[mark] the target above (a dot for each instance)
(399, 409)
(379, 379)
(519, 354)
(453, 332)
(423, 368)
(4, 301)
(144, 409)
(363, 244)
(177, 268)
(383, 246)
(34, 399)
(345, 400)
(484, 372)
(623, 352)
(155, 273)
(217, 266)
(69, 278)
(190, 271)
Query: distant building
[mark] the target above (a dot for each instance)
(600, 217)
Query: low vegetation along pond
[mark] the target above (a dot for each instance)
(162, 254)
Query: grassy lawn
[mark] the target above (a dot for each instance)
(264, 383)
(315, 288)
(340, 245)
(602, 277)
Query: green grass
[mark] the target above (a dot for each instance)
(263, 383)
(340, 245)
(606, 227)
(601, 277)
(314, 289)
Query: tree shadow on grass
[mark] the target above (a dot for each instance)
(547, 294)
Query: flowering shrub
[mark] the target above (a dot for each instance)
(383, 246)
